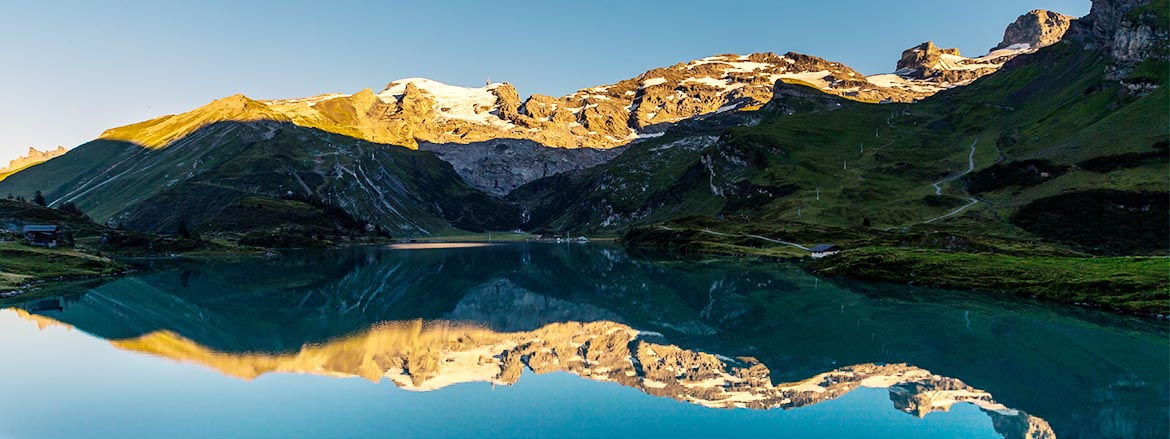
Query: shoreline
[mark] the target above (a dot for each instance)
(1133, 285)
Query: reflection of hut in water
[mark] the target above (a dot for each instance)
(822, 250)
(43, 305)
(42, 235)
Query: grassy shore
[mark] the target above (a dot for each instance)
(1129, 284)
(931, 257)
(21, 265)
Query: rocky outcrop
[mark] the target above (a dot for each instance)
(923, 56)
(507, 102)
(32, 157)
(793, 98)
(1134, 30)
(1107, 18)
(930, 62)
(1131, 31)
(1038, 28)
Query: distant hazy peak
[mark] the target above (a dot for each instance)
(32, 157)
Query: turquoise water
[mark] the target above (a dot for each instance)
(415, 343)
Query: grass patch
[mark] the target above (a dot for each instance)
(21, 264)
(1130, 284)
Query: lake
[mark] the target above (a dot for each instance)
(578, 340)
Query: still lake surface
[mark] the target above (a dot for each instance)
(540, 340)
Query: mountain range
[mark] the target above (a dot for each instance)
(1003, 142)
(32, 157)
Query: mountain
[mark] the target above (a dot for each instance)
(259, 176)
(418, 112)
(791, 137)
(425, 356)
(1030, 151)
(34, 156)
(929, 67)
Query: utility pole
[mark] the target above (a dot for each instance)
(844, 164)
(798, 212)
(818, 193)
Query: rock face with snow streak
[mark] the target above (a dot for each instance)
(1038, 28)
(926, 69)
(927, 60)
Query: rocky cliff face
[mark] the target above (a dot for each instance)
(32, 157)
(498, 166)
(1130, 30)
(1038, 28)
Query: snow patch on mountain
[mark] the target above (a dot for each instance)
(452, 102)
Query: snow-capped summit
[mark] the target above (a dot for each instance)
(450, 101)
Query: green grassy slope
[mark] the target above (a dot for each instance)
(1136, 285)
(1067, 165)
(195, 178)
(873, 166)
(21, 264)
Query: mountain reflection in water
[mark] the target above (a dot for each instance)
(424, 356)
(718, 334)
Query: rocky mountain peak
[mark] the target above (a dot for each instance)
(507, 101)
(236, 101)
(1037, 28)
(925, 56)
(32, 157)
(927, 68)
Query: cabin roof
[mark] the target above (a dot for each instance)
(40, 228)
(825, 247)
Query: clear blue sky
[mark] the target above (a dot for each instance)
(73, 69)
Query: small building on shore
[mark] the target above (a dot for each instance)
(43, 235)
(821, 250)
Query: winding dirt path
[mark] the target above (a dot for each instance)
(971, 201)
(712, 232)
